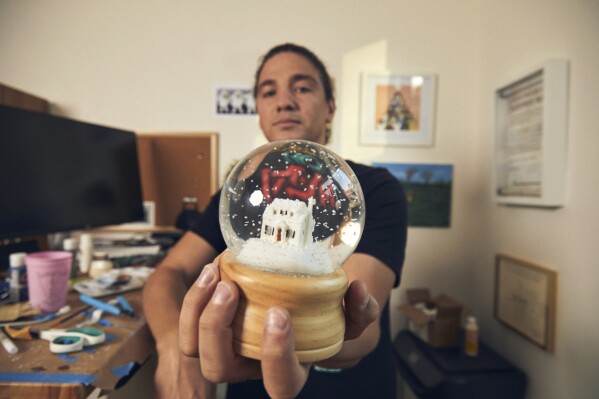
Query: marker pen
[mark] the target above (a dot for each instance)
(10, 346)
(99, 304)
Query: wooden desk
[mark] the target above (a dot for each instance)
(35, 372)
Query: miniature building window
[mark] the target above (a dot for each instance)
(290, 234)
(269, 230)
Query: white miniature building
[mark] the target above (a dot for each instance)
(288, 221)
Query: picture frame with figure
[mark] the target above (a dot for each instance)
(234, 101)
(397, 109)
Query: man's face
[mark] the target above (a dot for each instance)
(291, 100)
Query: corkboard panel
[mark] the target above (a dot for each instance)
(177, 165)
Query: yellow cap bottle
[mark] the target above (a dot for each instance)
(471, 337)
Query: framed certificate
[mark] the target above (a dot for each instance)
(531, 137)
(525, 299)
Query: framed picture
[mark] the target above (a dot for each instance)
(525, 299)
(428, 191)
(531, 137)
(397, 109)
(234, 101)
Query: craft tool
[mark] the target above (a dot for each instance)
(66, 344)
(95, 317)
(30, 332)
(36, 319)
(125, 305)
(72, 339)
(99, 304)
(10, 346)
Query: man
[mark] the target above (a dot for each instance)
(294, 100)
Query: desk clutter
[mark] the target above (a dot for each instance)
(114, 281)
(92, 263)
(81, 322)
(88, 311)
(92, 342)
(120, 248)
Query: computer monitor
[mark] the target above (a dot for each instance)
(59, 174)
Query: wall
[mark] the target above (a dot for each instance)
(563, 239)
(153, 66)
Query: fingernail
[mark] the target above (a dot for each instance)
(206, 277)
(275, 320)
(221, 294)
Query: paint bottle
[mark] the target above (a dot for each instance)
(86, 252)
(471, 337)
(18, 277)
(71, 245)
(190, 216)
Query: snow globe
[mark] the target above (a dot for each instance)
(291, 212)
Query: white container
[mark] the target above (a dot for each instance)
(100, 264)
(18, 277)
(86, 252)
(99, 267)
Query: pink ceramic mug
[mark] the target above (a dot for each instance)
(48, 279)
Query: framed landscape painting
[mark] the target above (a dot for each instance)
(428, 191)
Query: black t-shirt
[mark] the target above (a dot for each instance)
(384, 237)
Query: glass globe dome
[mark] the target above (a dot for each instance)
(292, 206)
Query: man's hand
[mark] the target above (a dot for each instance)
(213, 303)
(284, 376)
(205, 329)
(361, 309)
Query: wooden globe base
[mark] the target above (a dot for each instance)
(315, 304)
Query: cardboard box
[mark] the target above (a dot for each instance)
(437, 322)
